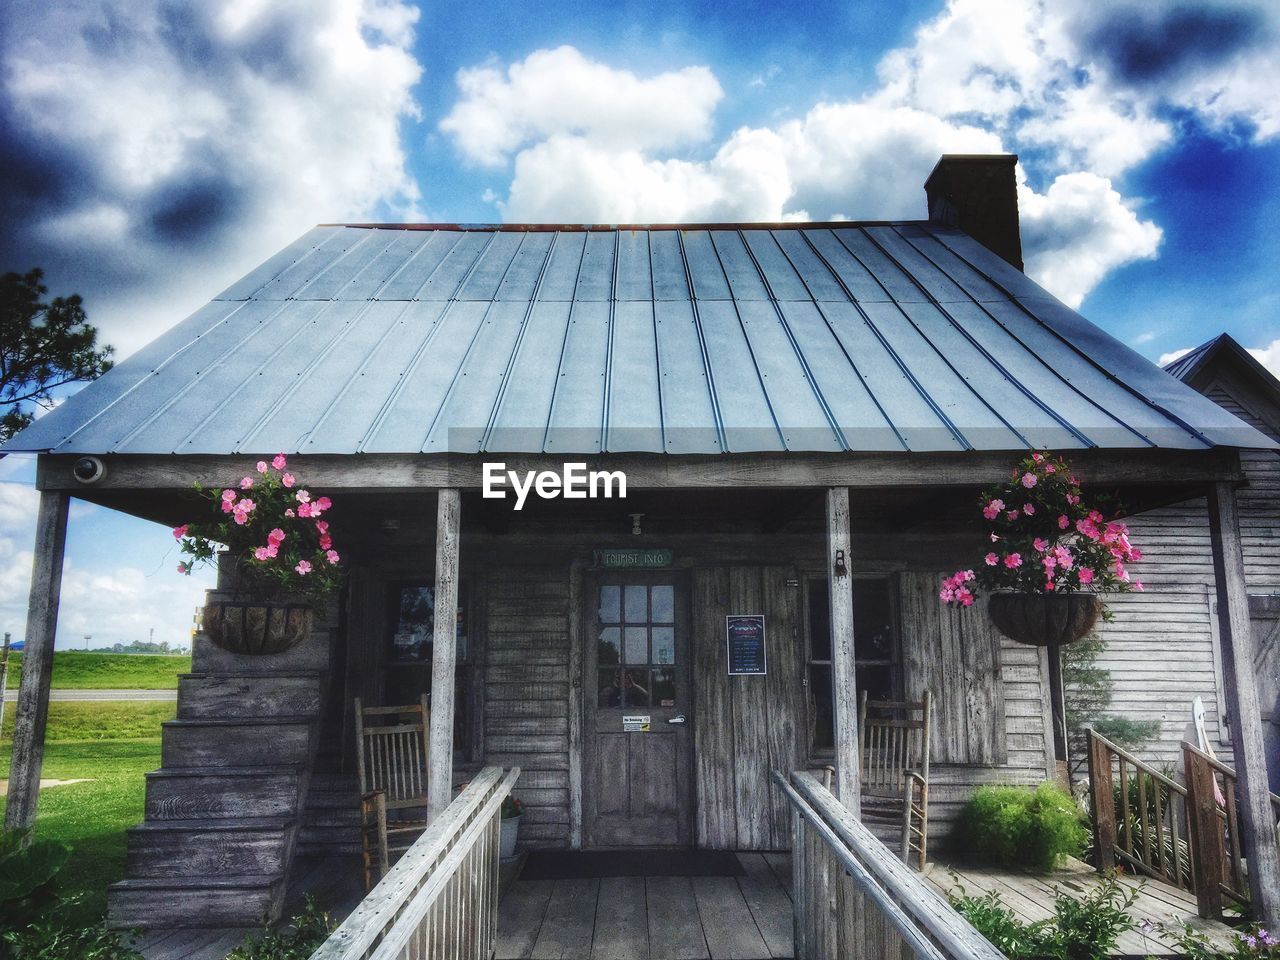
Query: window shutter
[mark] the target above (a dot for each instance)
(955, 654)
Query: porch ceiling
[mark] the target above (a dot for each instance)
(892, 338)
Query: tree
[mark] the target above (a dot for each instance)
(43, 346)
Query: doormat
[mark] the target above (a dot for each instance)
(594, 864)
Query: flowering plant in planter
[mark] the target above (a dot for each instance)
(1045, 539)
(274, 530)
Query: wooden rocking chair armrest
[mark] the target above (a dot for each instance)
(915, 775)
(371, 795)
(368, 802)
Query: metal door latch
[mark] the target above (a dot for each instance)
(678, 718)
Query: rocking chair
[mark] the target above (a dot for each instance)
(391, 757)
(893, 750)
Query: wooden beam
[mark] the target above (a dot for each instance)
(37, 662)
(576, 715)
(444, 656)
(843, 678)
(1258, 822)
(357, 472)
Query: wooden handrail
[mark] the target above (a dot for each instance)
(844, 874)
(1221, 767)
(398, 912)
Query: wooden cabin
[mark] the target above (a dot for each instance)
(1179, 612)
(804, 415)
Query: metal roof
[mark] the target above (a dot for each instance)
(895, 337)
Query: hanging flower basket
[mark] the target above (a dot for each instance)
(256, 628)
(1044, 619)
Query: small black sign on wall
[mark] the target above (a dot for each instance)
(744, 634)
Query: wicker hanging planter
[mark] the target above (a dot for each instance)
(255, 627)
(1044, 619)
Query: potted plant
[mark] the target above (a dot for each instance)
(511, 811)
(286, 567)
(1052, 556)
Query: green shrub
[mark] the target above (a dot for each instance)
(1020, 827)
(297, 941)
(60, 934)
(1085, 929)
(27, 871)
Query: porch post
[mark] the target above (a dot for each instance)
(444, 653)
(37, 661)
(844, 683)
(1257, 820)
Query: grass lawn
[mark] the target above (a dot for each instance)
(108, 671)
(113, 744)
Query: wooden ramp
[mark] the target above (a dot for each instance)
(1031, 897)
(652, 918)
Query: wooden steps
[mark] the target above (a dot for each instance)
(331, 819)
(222, 813)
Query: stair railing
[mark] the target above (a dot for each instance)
(854, 897)
(441, 898)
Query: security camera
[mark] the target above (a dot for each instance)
(89, 470)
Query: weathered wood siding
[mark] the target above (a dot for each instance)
(1161, 646)
(526, 702)
(745, 727)
(991, 699)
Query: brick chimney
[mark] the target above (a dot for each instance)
(977, 193)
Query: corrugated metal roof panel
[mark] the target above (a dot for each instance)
(879, 337)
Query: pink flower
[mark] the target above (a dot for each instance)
(288, 479)
(275, 536)
(1029, 480)
(331, 556)
(304, 509)
(245, 506)
(272, 550)
(1137, 585)
(290, 513)
(995, 538)
(180, 532)
(1086, 575)
(322, 526)
(1050, 585)
(1063, 522)
(1038, 457)
(324, 503)
(326, 541)
(260, 553)
(992, 509)
(303, 496)
(226, 506)
(303, 567)
(246, 483)
(1072, 499)
(1029, 510)
(240, 519)
(278, 461)
(1040, 544)
(1012, 515)
(229, 496)
(991, 559)
(184, 568)
(262, 466)
(1013, 560)
(1049, 468)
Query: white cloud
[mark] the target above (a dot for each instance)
(183, 140)
(556, 93)
(1269, 356)
(120, 602)
(1168, 358)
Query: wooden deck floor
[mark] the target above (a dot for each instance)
(652, 918)
(1031, 899)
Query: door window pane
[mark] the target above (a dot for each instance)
(637, 645)
(664, 688)
(609, 687)
(635, 688)
(662, 600)
(819, 620)
(664, 644)
(610, 604)
(607, 648)
(637, 603)
(823, 718)
(872, 621)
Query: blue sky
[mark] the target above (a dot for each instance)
(156, 149)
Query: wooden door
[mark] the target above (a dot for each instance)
(637, 789)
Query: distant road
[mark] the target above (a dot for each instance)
(106, 695)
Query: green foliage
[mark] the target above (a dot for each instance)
(43, 346)
(1020, 827)
(1084, 929)
(297, 941)
(511, 807)
(1255, 943)
(61, 934)
(77, 670)
(27, 870)
(1089, 690)
(102, 720)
